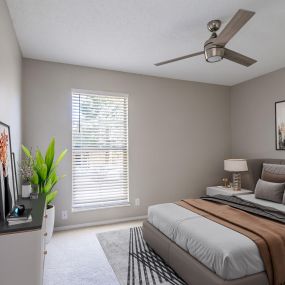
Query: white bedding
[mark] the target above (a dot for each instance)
(228, 253)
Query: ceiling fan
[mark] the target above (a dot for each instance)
(214, 47)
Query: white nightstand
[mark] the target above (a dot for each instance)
(215, 190)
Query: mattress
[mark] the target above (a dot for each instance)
(224, 251)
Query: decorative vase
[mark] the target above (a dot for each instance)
(7, 195)
(26, 190)
(50, 212)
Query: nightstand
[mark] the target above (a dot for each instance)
(216, 190)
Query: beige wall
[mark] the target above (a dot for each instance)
(178, 132)
(253, 116)
(10, 78)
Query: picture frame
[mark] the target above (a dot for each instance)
(2, 193)
(15, 177)
(6, 172)
(280, 125)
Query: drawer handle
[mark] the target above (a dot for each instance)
(45, 252)
(45, 234)
(45, 216)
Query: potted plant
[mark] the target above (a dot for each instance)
(26, 169)
(45, 176)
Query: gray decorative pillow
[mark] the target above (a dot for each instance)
(283, 202)
(273, 173)
(269, 191)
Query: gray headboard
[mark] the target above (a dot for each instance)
(250, 178)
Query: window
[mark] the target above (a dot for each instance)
(99, 150)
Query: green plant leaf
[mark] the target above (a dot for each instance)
(51, 196)
(37, 171)
(52, 175)
(42, 171)
(50, 181)
(40, 167)
(60, 158)
(55, 180)
(48, 186)
(39, 158)
(35, 178)
(50, 155)
(27, 152)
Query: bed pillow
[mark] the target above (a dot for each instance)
(283, 202)
(273, 173)
(269, 191)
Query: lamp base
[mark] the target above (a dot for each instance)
(236, 181)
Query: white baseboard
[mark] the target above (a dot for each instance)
(92, 224)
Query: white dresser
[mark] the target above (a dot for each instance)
(220, 190)
(22, 247)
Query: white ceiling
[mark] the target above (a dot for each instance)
(131, 35)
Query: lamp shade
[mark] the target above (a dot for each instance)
(235, 165)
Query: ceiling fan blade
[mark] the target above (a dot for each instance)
(179, 58)
(235, 24)
(238, 58)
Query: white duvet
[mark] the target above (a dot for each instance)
(228, 253)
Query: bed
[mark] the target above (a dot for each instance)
(202, 251)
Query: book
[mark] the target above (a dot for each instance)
(17, 222)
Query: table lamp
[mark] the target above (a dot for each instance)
(236, 166)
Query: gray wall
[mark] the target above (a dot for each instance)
(10, 78)
(253, 116)
(178, 132)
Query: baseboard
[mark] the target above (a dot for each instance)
(92, 224)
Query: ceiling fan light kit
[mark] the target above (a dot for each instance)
(214, 47)
(214, 54)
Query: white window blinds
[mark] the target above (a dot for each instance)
(99, 150)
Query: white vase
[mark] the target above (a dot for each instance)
(26, 190)
(50, 212)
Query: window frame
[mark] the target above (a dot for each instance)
(115, 205)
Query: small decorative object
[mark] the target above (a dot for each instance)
(26, 190)
(236, 166)
(226, 182)
(7, 183)
(27, 173)
(280, 125)
(45, 176)
(15, 177)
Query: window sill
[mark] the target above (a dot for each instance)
(94, 208)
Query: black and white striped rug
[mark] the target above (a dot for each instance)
(133, 262)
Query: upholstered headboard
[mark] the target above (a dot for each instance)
(250, 178)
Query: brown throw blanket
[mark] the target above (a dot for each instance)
(268, 235)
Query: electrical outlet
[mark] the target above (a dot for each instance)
(137, 202)
(64, 215)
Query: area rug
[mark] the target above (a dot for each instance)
(76, 258)
(133, 262)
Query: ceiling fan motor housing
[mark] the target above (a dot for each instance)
(214, 53)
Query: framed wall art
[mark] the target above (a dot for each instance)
(6, 166)
(15, 177)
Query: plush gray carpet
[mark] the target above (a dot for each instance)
(76, 258)
(133, 262)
